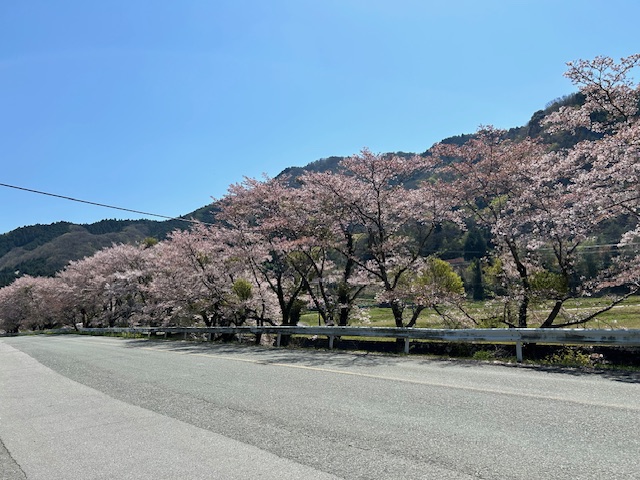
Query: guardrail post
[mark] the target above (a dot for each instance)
(519, 351)
(331, 337)
(278, 339)
(406, 345)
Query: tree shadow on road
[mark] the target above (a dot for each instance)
(351, 354)
(260, 354)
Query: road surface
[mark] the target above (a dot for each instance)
(96, 408)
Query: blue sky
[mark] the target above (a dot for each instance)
(160, 105)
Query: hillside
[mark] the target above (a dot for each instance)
(41, 250)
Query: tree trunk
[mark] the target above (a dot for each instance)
(397, 310)
(345, 301)
(344, 316)
(478, 287)
(414, 316)
(552, 315)
(523, 311)
(524, 278)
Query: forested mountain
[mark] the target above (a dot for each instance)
(41, 250)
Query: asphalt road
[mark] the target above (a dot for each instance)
(96, 408)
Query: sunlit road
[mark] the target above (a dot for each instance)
(96, 408)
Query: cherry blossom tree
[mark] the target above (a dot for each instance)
(611, 96)
(381, 223)
(107, 287)
(528, 199)
(16, 304)
(293, 239)
(33, 303)
(609, 166)
(198, 273)
(325, 231)
(263, 217)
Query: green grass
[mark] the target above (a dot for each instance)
(624, 315)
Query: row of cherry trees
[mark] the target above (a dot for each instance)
(324, 240)
(273, 251)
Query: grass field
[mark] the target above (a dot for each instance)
(625, 315)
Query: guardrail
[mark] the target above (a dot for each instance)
(517, 336)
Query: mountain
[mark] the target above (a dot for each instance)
(42, 250)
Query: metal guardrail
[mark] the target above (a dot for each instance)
(517, 336)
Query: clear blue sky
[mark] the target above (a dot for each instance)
(159, 105)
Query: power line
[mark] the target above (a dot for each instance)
(64, 197)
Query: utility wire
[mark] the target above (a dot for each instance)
(97, 204)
